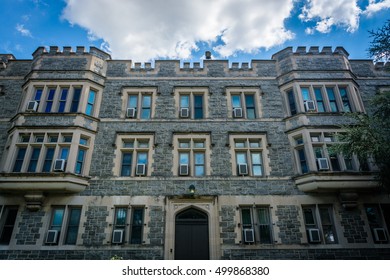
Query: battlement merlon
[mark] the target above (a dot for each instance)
(313, 50)
(80, 50)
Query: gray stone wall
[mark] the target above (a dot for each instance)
(288, 223)
(156, 225)
(95, 225)
(353, 226)
(227, 224)
(28, 227)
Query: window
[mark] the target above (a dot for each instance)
(37, 152)
(322, 98)
(138, 103)
(90, 102)
(319, 224)
(378, 216)
(123, 231)
(244, 103)
(135, 155)
(249, 154)
(62, 98)
(191, 155)
(64, 225)
(191, 102)
(256, 225)
(7, 222)
(313, 151)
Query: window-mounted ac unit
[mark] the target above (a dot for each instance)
(323, 164)
(183, 170)
(237, 112)
(117, 236)
(141, 170)
(59, 165)
(130, 112)
(310, 105)
(52, 236)
(184, 112)
(242, 169)
(314, 235)
(249, 235)
(380, 235)
(32, 106)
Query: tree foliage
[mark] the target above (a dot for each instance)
(380, 45)
(370, 137)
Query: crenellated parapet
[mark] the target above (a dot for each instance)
(68, 51)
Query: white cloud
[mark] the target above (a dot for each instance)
(143, 30)
(24, 31)
(329, 13)
(376, 6)
(340, 13)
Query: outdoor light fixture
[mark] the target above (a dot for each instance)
(191, 190)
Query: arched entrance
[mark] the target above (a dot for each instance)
(192, 235)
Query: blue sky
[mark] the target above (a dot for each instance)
(144, 30)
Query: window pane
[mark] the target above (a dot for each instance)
(142, 158)
(133, 101)
(49, 101)
(198, 100)
(184, 101)
(146, 101)
(199, 144)
(302, 160)
(128, 144)
(34, 160)
(62, 102)
(236, 101)
(80, 161)
(7, 222)
(48, 159)
(64, 153)
(19, 160)
(136, 227)
(199, 158)
(126, 164)
(309, 216)
(184, 144)
(332, 99)
(120, 216)
(241, 158)
(58, 215)
(257, 171)
(320, 100)
(73, 226)
(344, 98)
(75, 100)
(184, 158)
(38, 94)
(199, 170)
(305, 94)
(246, 217)
(256, 158)
(91, 101)
(143, 144)
(239, 144)
(291, 102)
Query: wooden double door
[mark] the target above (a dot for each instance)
(192, 235)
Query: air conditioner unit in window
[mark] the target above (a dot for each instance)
(32, 106)
(52, 236)
(141, 169)
(310, 105)
(237, 112)
(117, 236)
(242, 169)
(314, 235)
(380, 235)
(59, 165)
(323, 164)
(249, 235)
(130, 112)
(183, 169)
(184, 112)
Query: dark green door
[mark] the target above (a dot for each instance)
(191, 235)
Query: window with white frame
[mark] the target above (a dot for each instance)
(61, 98)
(191, 103)
(138, 103)
(321, 98)
(319, 224)
(43, 151)
(64, 225)
(191, 155)
(7, 223)
(378, 216)
(135, 155)
(128, 225)
(249, 155)
(313, 152)
(244, 102)
(256, 225)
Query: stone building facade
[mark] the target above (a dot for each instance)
(177, 160)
